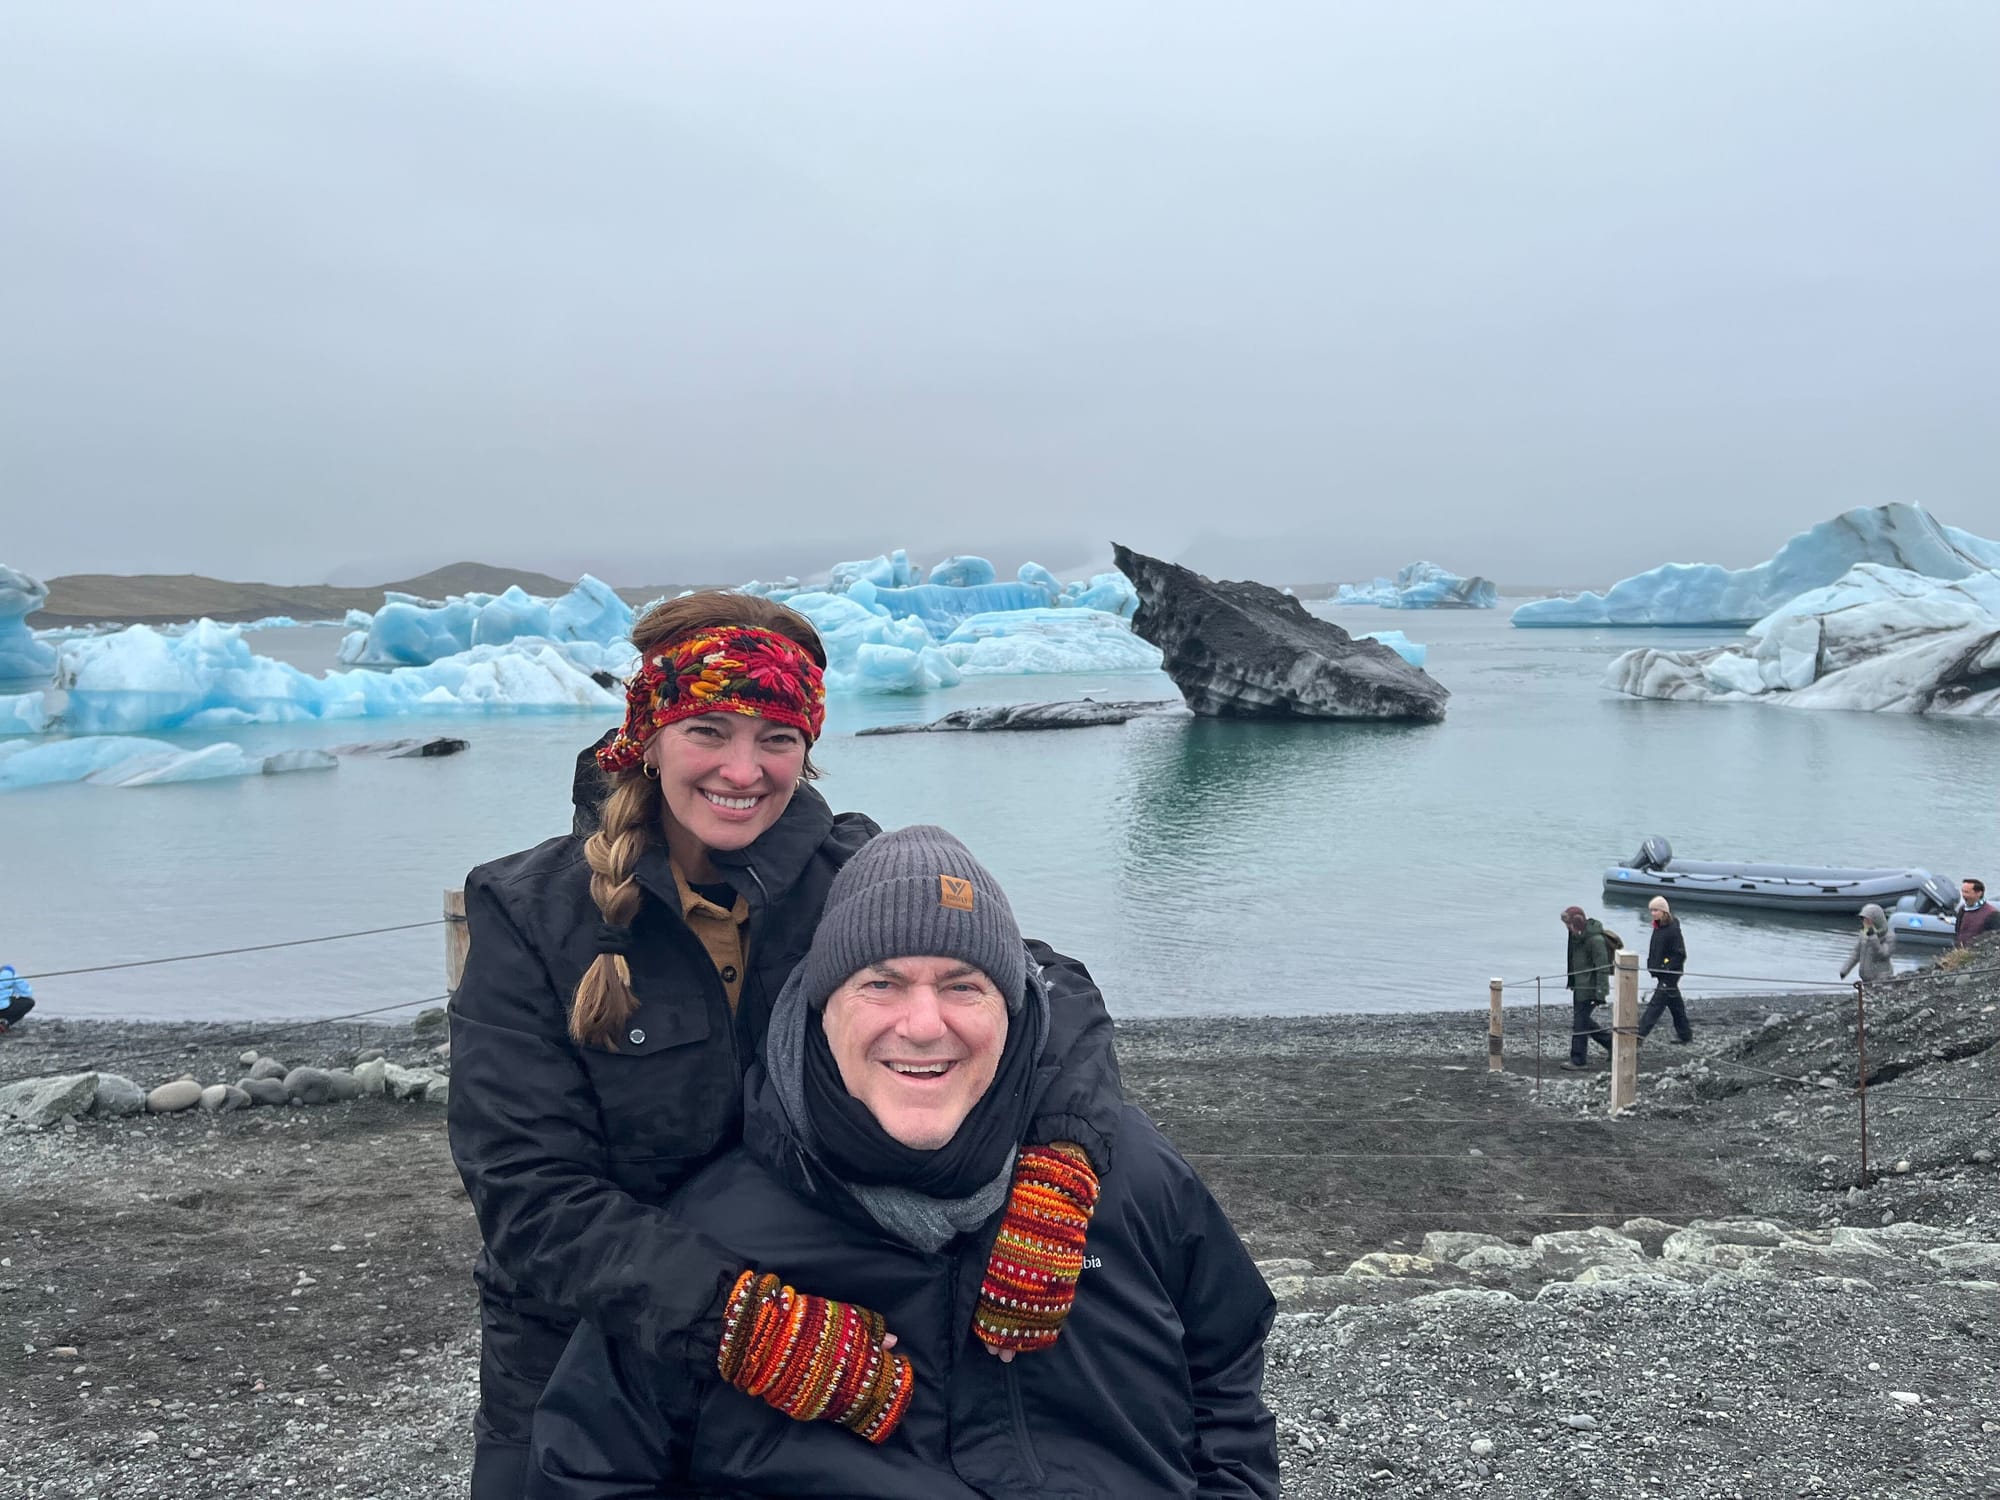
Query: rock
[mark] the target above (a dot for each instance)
(1976, 1258)
(1244, 650)
(1482, 1447)
(264, 1090)
(1509, 1260)
(37, 1102)
(1727, 1245)
(1467, 1299)
(430, 1023)
(267, 1067)
(321, 1085)
(1902, 1169)
(117, 1097)
(1084, 713)
(1983, 1158)
(372, 1054)
(1388, 1263)
(247, 1059)
(406, 1083)
(1284, 1266)
(221, 1098)
(405, 749)
(440, 1090)
(1906, 1398)
(1450, 1244)
(1567, 1251)
(1580, 1422)
(371, 1075)
(172, 1098)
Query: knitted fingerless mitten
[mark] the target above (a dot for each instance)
(1031, 1275)
(812, 1357)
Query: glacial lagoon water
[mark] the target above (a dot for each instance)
(1197, 867)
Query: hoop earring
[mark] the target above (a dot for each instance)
(648, 770)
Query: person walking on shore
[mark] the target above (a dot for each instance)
(1666, 961)
(1875, 950)
(619, 985)
(1589, 984)
(17, 998)
(1975, 916)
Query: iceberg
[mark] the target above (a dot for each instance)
(140, 680)
(1026, 641)
(23, 713)
(1422, 585)
(121, 761)
(872, 652)
(1411, 651)
(942, 606)
(1898, 536)
(1878, 639)
(1110, 592)
(963, 572)
(893, 570)
(22, 656)
(411, 632)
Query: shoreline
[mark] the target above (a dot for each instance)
(1486, 1287)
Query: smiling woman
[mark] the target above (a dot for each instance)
(620, 983)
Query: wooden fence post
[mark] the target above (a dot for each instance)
(1625, 1032)
(457, 939)
(1494, 1064)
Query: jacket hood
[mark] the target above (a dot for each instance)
(1875, 917)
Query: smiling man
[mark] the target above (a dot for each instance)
(904, 1061)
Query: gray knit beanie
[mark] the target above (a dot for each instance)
(916, 892)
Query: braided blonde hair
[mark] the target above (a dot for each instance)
(635, 812)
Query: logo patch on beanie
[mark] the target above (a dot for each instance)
(954, 893)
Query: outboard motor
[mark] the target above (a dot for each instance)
(1655, 854)
(1942, 895)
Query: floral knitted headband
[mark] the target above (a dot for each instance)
(737, 669)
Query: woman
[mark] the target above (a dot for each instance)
(1875, 950)
(619, 985)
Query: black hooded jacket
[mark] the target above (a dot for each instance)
(570, 1153)
(1667, 952)
(1152, 1390)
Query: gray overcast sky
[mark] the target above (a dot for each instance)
(1549, 289)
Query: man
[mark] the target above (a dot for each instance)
(17, 998)
(1666, 961)
(903, 1063)
(1974, 915)
(1589, 983)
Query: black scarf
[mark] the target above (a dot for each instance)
(861, 1151)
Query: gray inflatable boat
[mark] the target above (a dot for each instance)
(1654, 871)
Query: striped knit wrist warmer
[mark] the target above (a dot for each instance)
(812, 1358)
(1031, 1275)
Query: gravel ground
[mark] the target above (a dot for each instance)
(278, 1300)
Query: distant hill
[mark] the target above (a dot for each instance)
(169, 598)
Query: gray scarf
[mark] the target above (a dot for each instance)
(917, 1219)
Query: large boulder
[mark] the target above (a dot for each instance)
(1245, 650)
(321, 1086)
(37, 1102)
(117, 1096)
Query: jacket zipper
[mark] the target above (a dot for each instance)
(1021, 1434)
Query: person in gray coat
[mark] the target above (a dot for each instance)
(1875, 949)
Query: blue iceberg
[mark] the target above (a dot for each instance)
(23, 658)
(1413, 652)
(23, 713)
(962, 572)
(1899, 536)
(122, 761)
(411, 632)
(1422, 585)
(140, 680)
(1016, 642)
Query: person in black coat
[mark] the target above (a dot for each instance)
(905, 1059)
(619, 983)
(1666, 961)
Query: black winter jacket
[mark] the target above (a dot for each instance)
(1667, 953)
(1152, 1391)
(570, 1154)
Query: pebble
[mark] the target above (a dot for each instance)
(221, 1098)
(1482, 1447)
(1902, 1168)
(372, 1054)
(267, 1067)
(172, 1098)
(1983, 1158)
(1906, 1398)
(1578, 1421)
(247, 1059)
(321, 1085)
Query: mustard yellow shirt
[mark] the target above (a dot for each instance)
(721, 933)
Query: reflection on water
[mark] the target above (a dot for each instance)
(1197, 866)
